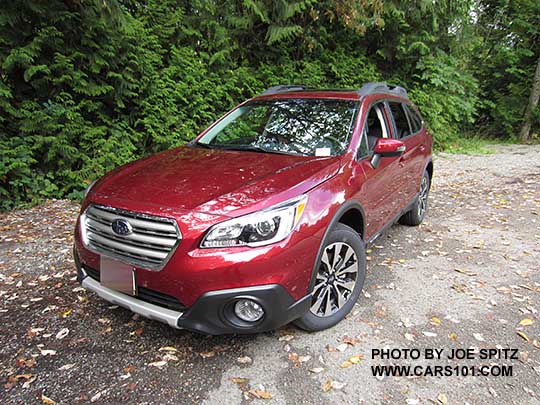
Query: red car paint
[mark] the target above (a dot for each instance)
(199, 188)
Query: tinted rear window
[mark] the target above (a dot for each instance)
(402, 124)
(416, 121)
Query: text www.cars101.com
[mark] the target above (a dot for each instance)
(441, 371)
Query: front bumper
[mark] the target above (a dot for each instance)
(132, 303)
(213, 312)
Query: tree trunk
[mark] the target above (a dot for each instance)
(525, 134)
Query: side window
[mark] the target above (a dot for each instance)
(363, 149)
(416, 121)
(374, 128)
(400, 119)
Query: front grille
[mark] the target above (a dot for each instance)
(149, 245)
(146, 294)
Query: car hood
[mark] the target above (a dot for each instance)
(218, 182)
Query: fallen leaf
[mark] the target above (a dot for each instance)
(29, 381)
(239, 380)
(13, 380)
(466, 272)
(207, 354)
(523, 335)
(260, 394)
(346, 364)
(523, 356)
(170, 357)
(337, 385)
(167, 349)
(316, 370)
(526, 322)
(407, 322)
(48, 352)
(63, 333)
(293, 356)
(97, 396)
(244, 360)
(286, 338)
(129, 369)
(158, 364)
(327, 386)
(453, 336)
(435, 321)
(47, 400)
(31, 362)
(355, 359)
(349, 340)
(34, 331)
(342, 347)
(442, 398)
(479, 337)
(66, 367)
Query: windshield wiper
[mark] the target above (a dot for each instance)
(252, 148)
(202, 145)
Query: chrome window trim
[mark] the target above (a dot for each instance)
(135, 215)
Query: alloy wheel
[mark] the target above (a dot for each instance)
(335, 279)
(423, 197)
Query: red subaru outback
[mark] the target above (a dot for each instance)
(263, 219)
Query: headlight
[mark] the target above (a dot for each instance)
(89, 188)
(260, 228)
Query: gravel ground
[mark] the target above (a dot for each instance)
(468, 278)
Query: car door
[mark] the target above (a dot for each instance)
(418, 147)
(406, 174)
(378, 190)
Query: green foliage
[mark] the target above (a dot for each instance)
(504, 61)
(446, 95)
(86, 86)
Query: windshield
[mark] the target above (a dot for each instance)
(312, 127)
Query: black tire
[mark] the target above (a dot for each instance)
(341, 237)
(416, 214)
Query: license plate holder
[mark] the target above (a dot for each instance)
(117, 276)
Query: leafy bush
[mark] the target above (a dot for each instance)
(447, 96)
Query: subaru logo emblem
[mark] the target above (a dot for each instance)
(121, 227)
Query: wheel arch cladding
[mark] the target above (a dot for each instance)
(351, 214)
(353, 218)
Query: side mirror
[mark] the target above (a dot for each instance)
(386, 147)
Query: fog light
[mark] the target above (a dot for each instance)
(248, 310)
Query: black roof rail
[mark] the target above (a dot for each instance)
(382, 87)
(283, 89)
